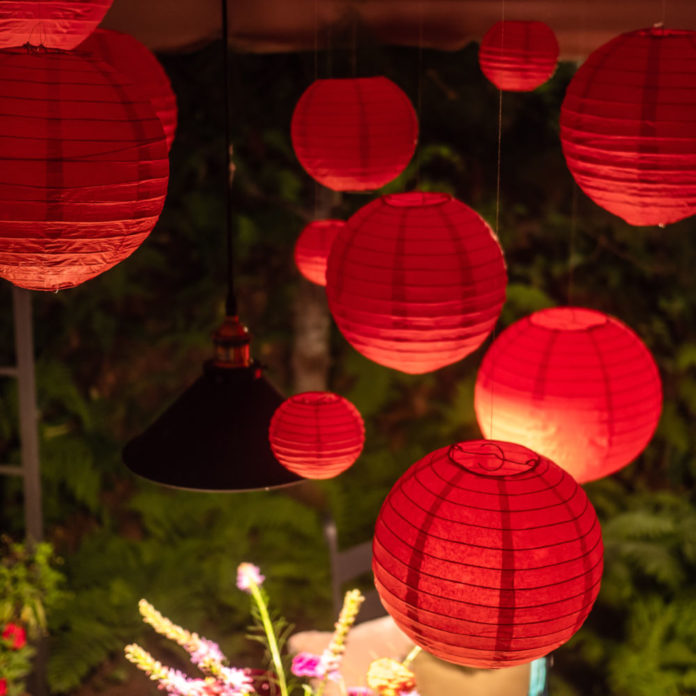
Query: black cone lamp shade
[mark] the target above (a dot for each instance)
(214, 437)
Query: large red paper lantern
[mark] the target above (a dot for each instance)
(518, 56)
(313, 246)
(135, 60)
(84, 169)
(574, 384)
(416, 281)
(317, 435)
(628, 126)
(354, 134)
(487, 554)
(59, 24)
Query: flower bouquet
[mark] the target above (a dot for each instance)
(385, 677)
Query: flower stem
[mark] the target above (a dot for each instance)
(411, 656)
(270, 637)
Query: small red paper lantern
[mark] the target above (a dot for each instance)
(416, 281)
(85, 164)
(487, 554)
(317, 435)
(574, 384)
(354, 134)
(518, 56)
(62, 24)
(313, 246)
(628, 126)
(134, 60)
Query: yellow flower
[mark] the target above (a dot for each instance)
(389, 677)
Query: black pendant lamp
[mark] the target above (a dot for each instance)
(214, 437)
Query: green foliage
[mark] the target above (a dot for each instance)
(15, 665)
(30, 586)
(183, 557)
(641, 637)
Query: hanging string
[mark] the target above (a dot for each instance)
(316, 40)
(497, 182)
(419, 96)
(316, 77)
(231, 301)
(571, 245)
(329, 67)
(354, 47)
(574, 198)
(499, 159)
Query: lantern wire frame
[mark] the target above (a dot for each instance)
(214, 437)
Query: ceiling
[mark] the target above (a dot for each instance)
(264, 26)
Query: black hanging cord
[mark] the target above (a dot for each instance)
(231, 301)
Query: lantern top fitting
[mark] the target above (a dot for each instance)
(492, 458)
(416, 199)
(316, 398)
(568, 318)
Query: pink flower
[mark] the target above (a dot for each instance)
(237, 679)
(16, 634)
(305, 664)
(360, 691)
(3, 687)
(247, 575)
(317, 666)
(206, 650)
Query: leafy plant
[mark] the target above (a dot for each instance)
(29, 586)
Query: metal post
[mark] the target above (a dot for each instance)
(28, 432)
(28, 413)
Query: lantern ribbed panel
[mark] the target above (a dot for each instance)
(83, 169)
(135, 60)
(416, 281)
(574, 384)
(354, 134)
(313, 246)
(51, 23)
(317, 435)
(518, 56)
(487, 554)
(628, 126)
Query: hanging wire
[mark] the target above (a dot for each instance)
(316, 77)
(231, 300)
(316, 40)
(497, 184)
(575, 199)
(354, 45)
(419, 96)
(571, 245)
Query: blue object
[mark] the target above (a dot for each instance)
(537, 678)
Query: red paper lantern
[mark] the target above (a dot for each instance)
(628, 126)
(313, 246)
(85, 169)
(416, 281)
(487, 554)
(354, 134)
(134, 60)
(518, 56)
(574, 384)
(317, 435)
(60, 24)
